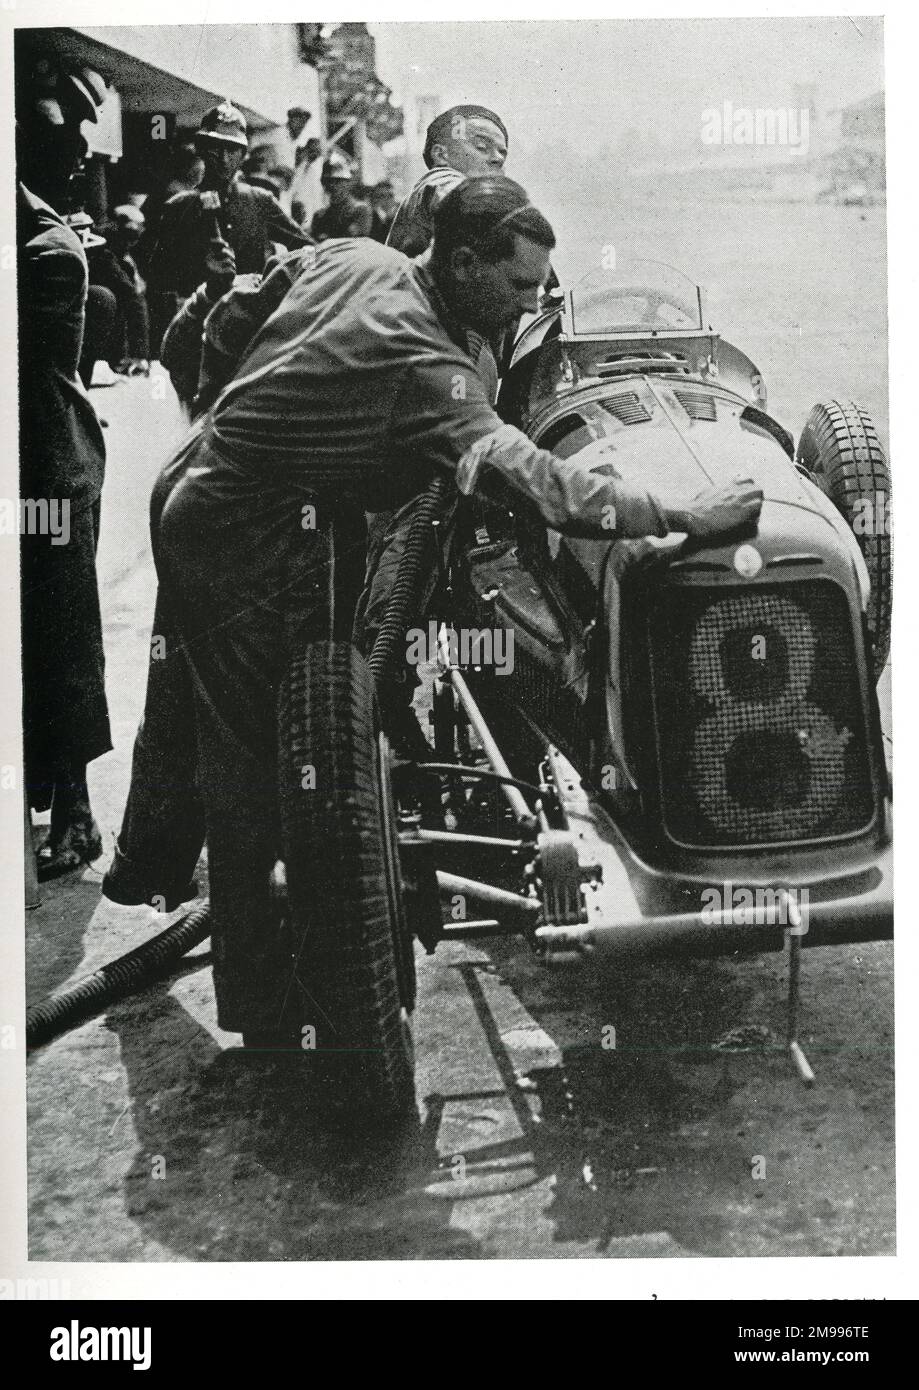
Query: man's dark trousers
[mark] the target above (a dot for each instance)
(244, 603)
(162, 831)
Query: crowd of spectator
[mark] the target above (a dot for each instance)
(143, 264)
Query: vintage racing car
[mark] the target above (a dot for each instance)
(685, 752)
(640, 746)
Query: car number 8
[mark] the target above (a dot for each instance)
(788, 713)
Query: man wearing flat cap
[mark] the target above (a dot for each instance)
(222, 228)
(461, 142)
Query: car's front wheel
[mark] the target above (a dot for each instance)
(839, 446)
(354, 958)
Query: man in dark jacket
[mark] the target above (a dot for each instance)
(129, 350)
(224, 214)
(338, 184)
(385, 206)
(62, 460)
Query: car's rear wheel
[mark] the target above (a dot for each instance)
(355, 971)
(839, 445)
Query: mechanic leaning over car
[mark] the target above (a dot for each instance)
(349, 391)
(162, 829)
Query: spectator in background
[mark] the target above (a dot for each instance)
(385, 206)
(257, 171)
(62, 460)
(281, 177)
(354, 218)
(298, 118)
(186, 171)
(129, 351)
(360, 222)
(283, 149)
(338, 182)
(306, 192)
(225, 215)
(113, 267)
(116, 329)
(461, 142)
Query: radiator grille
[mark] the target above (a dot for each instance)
(759, 724)
(539, 690)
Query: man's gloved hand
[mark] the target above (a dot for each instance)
(719, 509)
(219, 269)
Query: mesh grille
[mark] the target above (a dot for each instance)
(538, 688)
(759, 722)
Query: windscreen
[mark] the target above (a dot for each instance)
(636, 297)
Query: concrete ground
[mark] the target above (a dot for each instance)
(151, 1138)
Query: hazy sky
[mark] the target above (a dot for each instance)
(585, 81)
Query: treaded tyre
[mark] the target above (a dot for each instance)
(840, 447)
(355, 973)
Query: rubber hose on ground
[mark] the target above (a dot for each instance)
(387, 658)
(139, 968)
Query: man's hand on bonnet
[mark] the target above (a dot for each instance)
(719, 509)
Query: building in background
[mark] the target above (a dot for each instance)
(358, 111)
